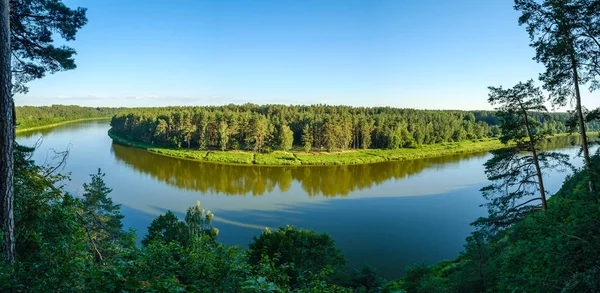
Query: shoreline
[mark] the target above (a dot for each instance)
(317, 158)
(60, 123)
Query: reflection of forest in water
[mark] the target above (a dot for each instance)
(329, 181)
(257, 180)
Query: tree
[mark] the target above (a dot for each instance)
(188, 131)
(286, 138)
(7, 137)
(27, 34)
(223, 135)
(565, 35)
(198, 222)
(166, 228)
(299, 252)
(366, 126)
(307, 138)
(104, 217)
(518, 176)
(260, 133)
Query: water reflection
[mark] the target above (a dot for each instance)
(329, 181)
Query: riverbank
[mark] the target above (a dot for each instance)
(18, 130)
(317, 158)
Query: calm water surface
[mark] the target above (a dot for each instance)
(388, 215)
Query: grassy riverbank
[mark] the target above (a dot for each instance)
(60, 123)
(314, 158)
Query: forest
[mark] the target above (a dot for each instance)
(263, 128)
(33, 117)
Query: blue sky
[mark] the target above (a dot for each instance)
(428, 54)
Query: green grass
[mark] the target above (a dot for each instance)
(295, 157)
(351, 157)
(277, 158)
(186, 154)
(231, 157)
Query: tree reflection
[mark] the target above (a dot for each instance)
(329, 181)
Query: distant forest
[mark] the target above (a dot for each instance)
(31, 116)
(264, 128)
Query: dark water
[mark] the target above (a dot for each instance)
(388, 215)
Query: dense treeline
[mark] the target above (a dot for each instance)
(30, 116)
(268, 127)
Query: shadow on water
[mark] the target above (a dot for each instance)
(329, 181)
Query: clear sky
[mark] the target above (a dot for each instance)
(427, 54)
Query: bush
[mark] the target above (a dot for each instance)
(299, 252)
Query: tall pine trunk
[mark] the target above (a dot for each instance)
(584, 141)
(7, 136)
(536, 160)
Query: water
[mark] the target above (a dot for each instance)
(388, 215)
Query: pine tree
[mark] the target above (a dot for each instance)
(307, 138)
(566, 38)
(516, 171)
(103, 215)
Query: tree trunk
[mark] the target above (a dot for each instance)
(584, 141)
(7, 136)
(536, 161)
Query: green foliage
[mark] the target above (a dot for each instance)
(349, 157)
(29, 117)
(300, 253)
(516, 171)
(104, 217)
(565, 34)
(307, 139)
(366, 280)
(223, 135)
(167, 228)
(34, 24)
(318, 127)
(286, 138)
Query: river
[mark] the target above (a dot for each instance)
(388, 215)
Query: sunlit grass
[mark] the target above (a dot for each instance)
(230, 157)
(351, 157)
(186, 154)
(276, 159)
